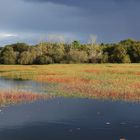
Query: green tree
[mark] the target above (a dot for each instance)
(75, 56)
(44, 60)
(75, 44)
(134, 52)
(56, 53)
(20, 47)
(8, 56)
(105, 58)
(126, 59)
(94, 53)
(119, 54)
(25, 58)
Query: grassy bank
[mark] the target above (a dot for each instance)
(114, 81)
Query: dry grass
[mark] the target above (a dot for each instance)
(114, 81)
(13, 97)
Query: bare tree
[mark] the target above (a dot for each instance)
(56, 38)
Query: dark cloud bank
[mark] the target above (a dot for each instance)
(30, 20)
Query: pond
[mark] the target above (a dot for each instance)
(69, 119)
(23, 85)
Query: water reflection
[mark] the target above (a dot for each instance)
(70, 119)
(23, 85)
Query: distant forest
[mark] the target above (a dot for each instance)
(126, 51)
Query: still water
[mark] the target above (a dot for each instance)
(70, 119)
(23, 85)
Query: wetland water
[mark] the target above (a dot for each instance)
(68, 118)
(23, 85)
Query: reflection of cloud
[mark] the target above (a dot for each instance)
(6, 35)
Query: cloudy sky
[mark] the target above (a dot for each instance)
(34, 20)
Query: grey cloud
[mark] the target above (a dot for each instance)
(87, 3)
(110, 20)
(94, 7)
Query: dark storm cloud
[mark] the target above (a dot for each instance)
(88, 4)
(92, 7)
(80, 2)
(110, 20)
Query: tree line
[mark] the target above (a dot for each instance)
(126, 51)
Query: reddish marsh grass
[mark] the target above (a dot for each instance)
(97, 71)
(55, 79)
(138, 73)
(89, 91)
(115, 81)
(135, 85)
(12, 97)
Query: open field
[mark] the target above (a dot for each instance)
(113, 81)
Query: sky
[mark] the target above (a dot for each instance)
(32, 21)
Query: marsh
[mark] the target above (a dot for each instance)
(66, 117)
